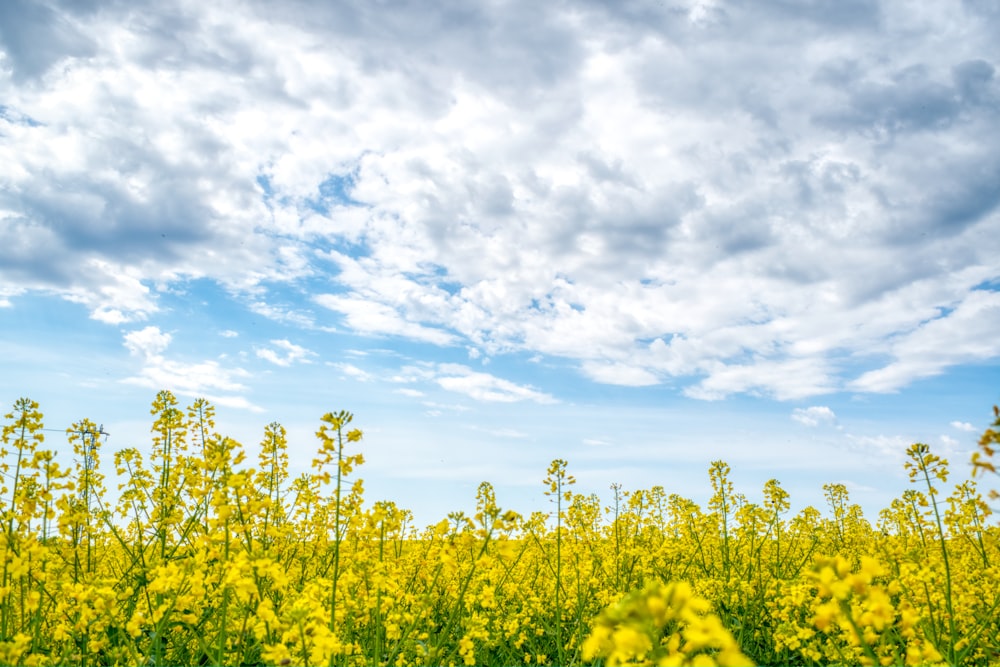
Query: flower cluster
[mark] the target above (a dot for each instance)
(194, 551)
(662, 624)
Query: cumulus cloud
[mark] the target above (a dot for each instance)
(963, 426)
(814, 415)
(148, 342)
(648, 191)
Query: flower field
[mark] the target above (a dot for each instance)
(209, 553)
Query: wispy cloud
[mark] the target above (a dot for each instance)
(963, 426)
(486, 387)
(286, 354)
(352, 371)
(890, 447)
(958, 336)
(620, 374)
(368, 316)
(209, 379)
(814, 415)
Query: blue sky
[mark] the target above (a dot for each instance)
(639, 236)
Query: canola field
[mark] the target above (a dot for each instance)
(208, 553)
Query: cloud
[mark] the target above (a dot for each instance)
(784, 379)
(486, 387)
(949, 442)
(229, 333)
(440, 407)
(148, 342)
(287, 353)
(115, 295)
(207, 379)
(369, 317)
(814, 415)
(891, 447)
(406, 391)
(34, 37)
(955, 337)
(509, 433)
(647, 191)
(353, 371)
(284, 315)
(963, 426)
(619, 374)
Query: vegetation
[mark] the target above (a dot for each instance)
(204, 555)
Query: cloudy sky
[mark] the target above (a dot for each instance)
(636, 235)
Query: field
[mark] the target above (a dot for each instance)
(211, 554)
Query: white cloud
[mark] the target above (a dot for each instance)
(366, 316)
(963, 426)
(814, 415)
(353, 371)
(229, 333)
(890, 447)
(193, 379)
(784, 379)
(285, 315)
(964, 335)
(412, 393)
(5, 294)
(451, 407)
(413, 373)
(287, 353)
(775, 228)
(114, 295)
(508, 433)
(620, 374)
(148, 342)
(202, 379)
(486, 387)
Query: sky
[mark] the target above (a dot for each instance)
(638, 236)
